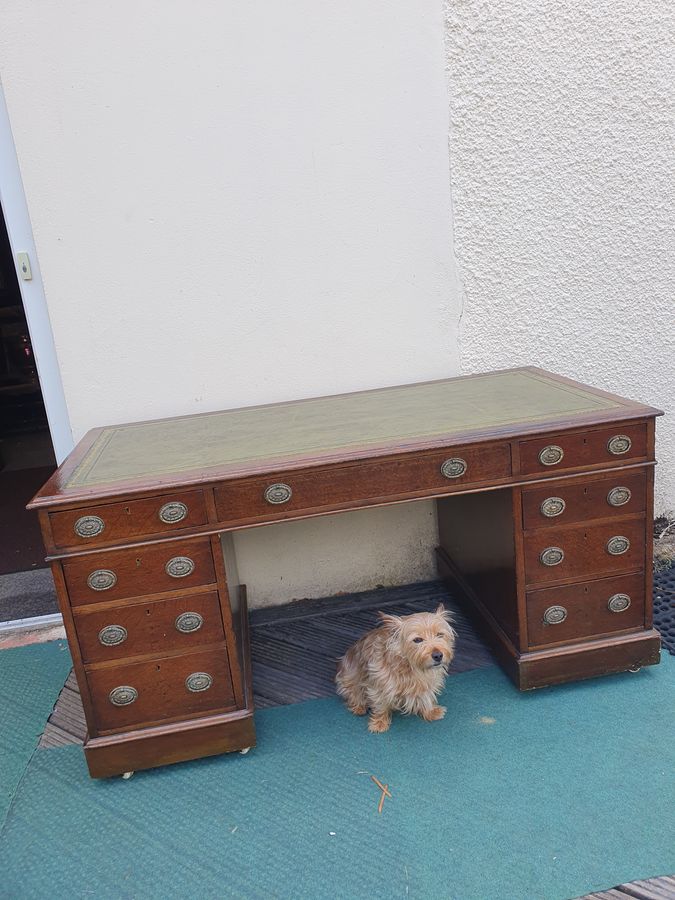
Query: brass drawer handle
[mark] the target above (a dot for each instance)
(619, 444)
(551, 455)
(123, 695)
(554, 615)
(619, 496)
(112, 635)
(188, 622)
(180, 567)
(552, 507)
(278, 493)
(618, 545)
(173, 512)
(454, 467)
(198, 681)
(102, 580)
(552, 556)
(89, 526)
(618, 603)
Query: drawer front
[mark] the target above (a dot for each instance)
(565, 502)
(370, 481)
(554, 554)
(615, 444)
(187, 685)
(135, 518)
(176, 565)
(579, 611)
(158, 626)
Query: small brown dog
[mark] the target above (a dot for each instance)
(399, 666)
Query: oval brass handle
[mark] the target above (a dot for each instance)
(454, 467)
(618, 545)
(180, 567)
(619, 444)
(552, 507)
(102, 580)
(89, 526)
(198, 682)
(188, 622)
(173, 512)
(551, 455)
(554, 615)
(278, 493)
(552, 556)
(123, 695)
(618, 603)
(619, 496)
(112, 635)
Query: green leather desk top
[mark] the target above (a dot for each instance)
(385, 420)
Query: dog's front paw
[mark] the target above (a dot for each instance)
(377, 724)
(434, 714)
(358, 710)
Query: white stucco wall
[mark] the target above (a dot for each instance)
(562, 154)
(237, 204)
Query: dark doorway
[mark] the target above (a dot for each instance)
(26, 452)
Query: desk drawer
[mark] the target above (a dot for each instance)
(118, 574)
(566, 502)
(572, 450)
(578, 611)
(158, 626)
(170, 687)
(578, 551)
(430, 472)
(111, 522)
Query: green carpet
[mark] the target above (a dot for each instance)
(30, 681)
(540, 796)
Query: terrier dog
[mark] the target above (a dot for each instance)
(400, 666)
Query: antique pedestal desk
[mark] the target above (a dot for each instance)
(543, 489)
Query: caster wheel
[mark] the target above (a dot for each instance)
(635, 668)
(127, 775)
(244, 751)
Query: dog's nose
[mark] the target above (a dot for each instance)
(437, 656)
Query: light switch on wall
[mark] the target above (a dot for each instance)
(23, 262)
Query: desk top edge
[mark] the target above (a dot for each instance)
(57, 492)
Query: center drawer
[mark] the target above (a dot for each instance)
(152, 569)
(577, 551)
(135, 693)
(430, 472)
(156, 626)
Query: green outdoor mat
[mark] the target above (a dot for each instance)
(539, 796)
(30, 681)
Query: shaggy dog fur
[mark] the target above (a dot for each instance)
(400, 666)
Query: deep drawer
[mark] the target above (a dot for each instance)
(158, 626)
(578, 611)
(170, 566)
(572, 450)
(437, 471)
(171, 687)
(110, 522)
(579, 551)
(566, 502)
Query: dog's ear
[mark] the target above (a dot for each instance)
(391, 623)
(442, 611)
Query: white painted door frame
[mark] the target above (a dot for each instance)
(20, 232)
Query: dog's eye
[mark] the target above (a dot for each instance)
(417, 640)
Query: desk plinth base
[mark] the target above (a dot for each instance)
(160, 746)
(569, 662)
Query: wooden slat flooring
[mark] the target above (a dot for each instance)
(294, 649)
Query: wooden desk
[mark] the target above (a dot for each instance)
(544, 495)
